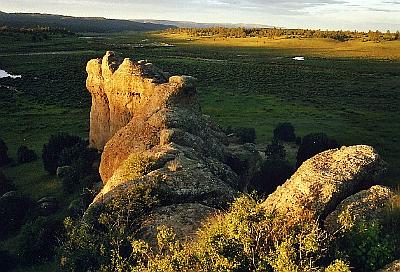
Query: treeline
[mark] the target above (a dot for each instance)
(339, 35)
(36, 34)
(75, 24)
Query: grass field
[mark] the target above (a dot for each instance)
(348, 90)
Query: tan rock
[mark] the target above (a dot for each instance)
(393, 267)
(184, 219)
(326, 179)
(366, 205)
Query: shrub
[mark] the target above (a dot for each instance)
(38, 240)
(79, 157)
(245, 134)
(14, 209)
(7, 261)
(272, 173)
(275, 151)
(52, 150)
(69, 178)
(92, 243)
(313, 144)
(25, 155)
(244, 239)
(5, 184)
(285, 132)
(4, 159)
(366, 246)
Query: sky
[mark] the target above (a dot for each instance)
(315, 14)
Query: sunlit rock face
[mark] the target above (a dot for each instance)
(367, 205)
(122, 89)
(325, 180)
(138, 111)
(393, 267)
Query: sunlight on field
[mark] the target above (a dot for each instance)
(310, 47)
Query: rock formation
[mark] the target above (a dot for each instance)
(393, 267)
(323, 181)
(367, 205)
(140, 115)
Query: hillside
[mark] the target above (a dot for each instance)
(75, 24)
(189, 24)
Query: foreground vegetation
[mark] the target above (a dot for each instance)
(243, 239)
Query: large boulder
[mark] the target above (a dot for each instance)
(184, 219)
(325, 180)
(367, 206)
(393, 267)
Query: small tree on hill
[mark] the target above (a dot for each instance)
(4, 159)
(52, 150)
(285, 132)
(273, 172)
(275, 150)
(313, 144)
(5, 185)
(25, 155)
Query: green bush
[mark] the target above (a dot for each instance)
(53, 149)
(275, 150)
(5, 184)
(69, 179)
(313, 144)
(273, 172)
(285, 132)
(4, 159)
(245, 134)
(38, 240)
(14, 210)
(78, 156)
(244, 239)
(92, 244)
(367, 246)
(7, 261)
(25, 155)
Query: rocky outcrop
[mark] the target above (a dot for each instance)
(393, 267)
(325, 180)
(367, 205)
(184, 218)
(120, 90)
(151, 129)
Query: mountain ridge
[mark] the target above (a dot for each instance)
(75, 24)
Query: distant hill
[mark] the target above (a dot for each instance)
(75, 24)
(188, 24)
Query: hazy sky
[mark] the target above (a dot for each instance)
(324, 14)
